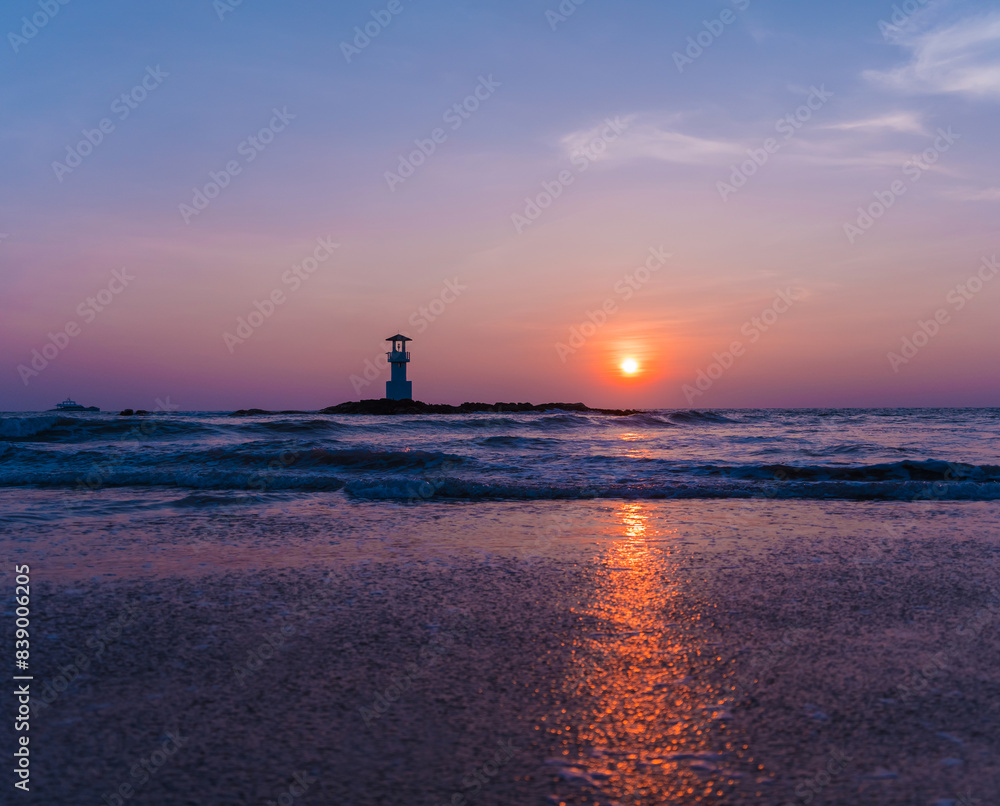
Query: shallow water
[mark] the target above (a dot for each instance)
(135, 533)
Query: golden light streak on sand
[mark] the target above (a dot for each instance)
(647, 729)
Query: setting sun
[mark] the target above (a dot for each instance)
(630, 366)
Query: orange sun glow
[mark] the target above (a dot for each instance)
(630, 366)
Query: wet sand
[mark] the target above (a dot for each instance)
(564, 652)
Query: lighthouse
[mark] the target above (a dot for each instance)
(397, 387)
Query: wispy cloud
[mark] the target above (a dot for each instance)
(896, 121)
(962, 58)
(653, 140)
(843, 155)
(863, 144)
(973, 194)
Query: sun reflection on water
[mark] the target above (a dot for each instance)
(632, 436)
(633, 520)
(645, 726)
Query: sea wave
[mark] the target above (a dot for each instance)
(99, 477)
(907, 470)
(215, 499)
(698, 417)
(447, 423)
(668, 419)
(312, 427)
(417, 487)
(366, 458)
(403, 489)
(82, 427)
(647, 419)
(288, 455)
(848, 448)
(504, 455)
(60, 428)
(26, 427)
(514, 441)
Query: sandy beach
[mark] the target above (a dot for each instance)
(506, 653)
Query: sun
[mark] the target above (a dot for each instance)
(630, 366)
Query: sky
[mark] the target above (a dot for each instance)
(219, 205)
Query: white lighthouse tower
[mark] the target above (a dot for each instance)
(397, 387)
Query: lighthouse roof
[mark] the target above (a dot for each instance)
(399, 337)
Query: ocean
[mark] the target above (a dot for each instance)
(852, 454)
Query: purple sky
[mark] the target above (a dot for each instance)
(532, 195)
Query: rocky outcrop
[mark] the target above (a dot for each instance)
(385, 406)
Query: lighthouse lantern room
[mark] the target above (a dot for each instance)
(397, 387)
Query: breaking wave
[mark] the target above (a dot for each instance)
(847, 454)
(402, 489)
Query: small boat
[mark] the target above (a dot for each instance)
(72, 405)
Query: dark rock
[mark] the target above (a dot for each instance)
(249, 412)
(126, 413)
(385, 407)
